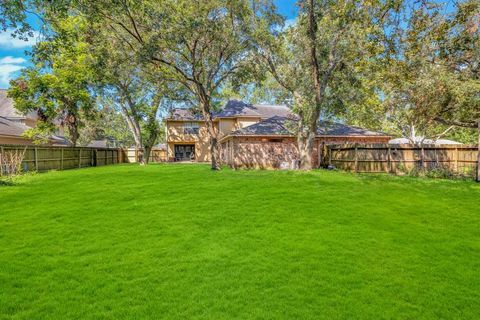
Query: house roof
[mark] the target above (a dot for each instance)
(285, 126)
(7, 108)
(236, 108)
(98, 144)
(184, 115)
(232, 109)
(11, 128)
(422, 140)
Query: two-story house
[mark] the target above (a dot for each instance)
(252, 135)
(186, 133)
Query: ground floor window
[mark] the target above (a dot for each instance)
(184, 152)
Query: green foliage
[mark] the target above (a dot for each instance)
(107, 124)
(432, 77)
(57, 87)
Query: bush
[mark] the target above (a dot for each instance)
(11, 162)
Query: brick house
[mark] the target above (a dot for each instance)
(257, 136)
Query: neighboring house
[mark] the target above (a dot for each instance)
(8, 111)
(11, 132)
(422, 140)
(13, 124)
(253, 135)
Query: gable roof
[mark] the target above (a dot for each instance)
(233, 109)
(285, 126)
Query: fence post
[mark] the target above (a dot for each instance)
(320, 154)
(61, 159)
(356, 157)
(329, 155)
(36, 158)
(79, 158)
(96, 157)
(1, 160)
(422, 155)
(456, 160)
(389, 160)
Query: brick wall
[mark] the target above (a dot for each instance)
(269, 152)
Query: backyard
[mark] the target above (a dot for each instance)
(182, 241)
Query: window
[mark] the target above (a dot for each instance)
(190, 128)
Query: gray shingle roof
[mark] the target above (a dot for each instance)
(184, 114)
(235, 108)
(16, 129)
(329, 128)
(6, 106)
(11, 128)
(7, 109)
(286, 126)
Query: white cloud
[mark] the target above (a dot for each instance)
(9, 66)
(8, 42)
(290, 22)
(12, 60)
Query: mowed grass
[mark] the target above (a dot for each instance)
(183, 242)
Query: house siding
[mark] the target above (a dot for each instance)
(176, 136)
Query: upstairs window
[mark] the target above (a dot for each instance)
(190, 128)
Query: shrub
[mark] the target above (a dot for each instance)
(11, 162)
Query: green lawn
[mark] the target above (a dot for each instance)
(182, 242)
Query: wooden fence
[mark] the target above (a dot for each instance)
(156, 155)
(461, 159)
(43, 158)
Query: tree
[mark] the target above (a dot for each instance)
(439, 61)
(107, 124)
(322, 61)
(139, 92)
(198, 44)
(57, 87)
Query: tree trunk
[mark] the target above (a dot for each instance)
(308, 129)
(214, 152)
(134, 127)
(306, 138)
(306, 141)
(146, 155)
(212, 132)
(478, 156)
(72, 126)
